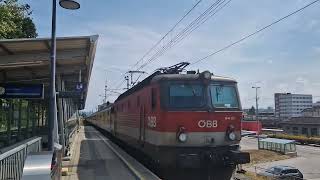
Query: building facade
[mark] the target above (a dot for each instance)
(291, 105)
(307, 126)
(316, 104)
(311, 112)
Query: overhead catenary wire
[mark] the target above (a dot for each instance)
(173, 40)
(212, 10)
(203, 17)
(137, 79)
(215, 7)
(164, 48)
(120, 84)
(218, 9)
(161, 39)
(254, 33)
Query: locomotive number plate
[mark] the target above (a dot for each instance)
(208, 123)
(152, 121)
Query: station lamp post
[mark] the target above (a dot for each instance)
(52, 134)
(257, 112)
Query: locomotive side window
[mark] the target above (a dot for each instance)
(153, 99)
(186, 95)
(224, 96)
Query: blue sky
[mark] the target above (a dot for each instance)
(284, 58)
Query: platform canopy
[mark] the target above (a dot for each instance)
(26, 61)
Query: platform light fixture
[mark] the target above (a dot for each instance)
(52, 125)
(257, 113)
(69, 4)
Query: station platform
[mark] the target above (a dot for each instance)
(95, 157)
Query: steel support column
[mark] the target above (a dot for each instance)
(19, 119)
(9, 120)
(52, 95)
(60, 116)
(28, 119)
(33, 119)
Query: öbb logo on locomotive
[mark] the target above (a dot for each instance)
(208, 123)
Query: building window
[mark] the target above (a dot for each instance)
(305, 131)
(314, 131)
(295, 130)
(287, 129)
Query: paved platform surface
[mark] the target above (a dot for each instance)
(92, 158)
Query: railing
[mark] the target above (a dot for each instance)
(12, 161)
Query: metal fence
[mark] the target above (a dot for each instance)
(12, 161)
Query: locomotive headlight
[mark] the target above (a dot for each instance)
(182, 137)
(232, 136)
(181, 134)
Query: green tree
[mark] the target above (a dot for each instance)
(252, 111)
(15, 21)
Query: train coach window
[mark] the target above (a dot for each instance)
(153, 99)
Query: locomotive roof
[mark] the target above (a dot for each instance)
(189, 77)
(157, 76)
(101, 110)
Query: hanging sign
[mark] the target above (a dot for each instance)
(34, 91)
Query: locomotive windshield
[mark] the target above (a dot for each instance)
(223, 96)
(192, 95)
(186, 95)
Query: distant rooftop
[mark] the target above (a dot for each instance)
(293, 94)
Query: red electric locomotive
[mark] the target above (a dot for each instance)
(180, 120)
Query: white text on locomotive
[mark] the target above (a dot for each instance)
(208, 123)
(152, 121)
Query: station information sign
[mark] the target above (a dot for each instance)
(33, 91)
